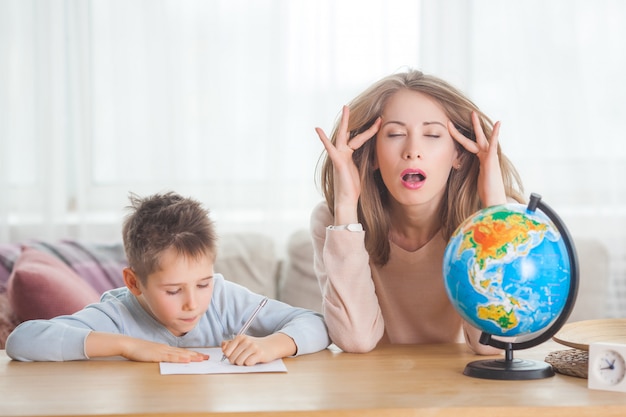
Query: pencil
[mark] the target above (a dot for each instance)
(250, 320)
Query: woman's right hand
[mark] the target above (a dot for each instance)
(347, 184)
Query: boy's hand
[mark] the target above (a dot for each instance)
(99, 344)
(145, 351)
(248, 350)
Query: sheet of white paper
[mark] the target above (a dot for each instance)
(215, 366)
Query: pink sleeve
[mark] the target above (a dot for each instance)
(350, 305)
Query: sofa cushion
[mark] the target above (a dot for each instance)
(298, 285)
(594, 276)
(9, 252)
(249, 259)
(8, 320)
(99, 264)
(41, 287)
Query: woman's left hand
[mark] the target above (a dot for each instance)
(490, 184)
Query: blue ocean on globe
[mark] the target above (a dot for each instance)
(507, 270)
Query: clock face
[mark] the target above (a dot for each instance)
(610, 367)
(607, 366)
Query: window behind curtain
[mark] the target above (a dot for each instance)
(219, 100)
(214, 99)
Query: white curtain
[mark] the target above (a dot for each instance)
(553, 73)
(219, 100)
(214, 99)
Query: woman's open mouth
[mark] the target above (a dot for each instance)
(413, 178)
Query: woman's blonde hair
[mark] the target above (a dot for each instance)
(461, 197)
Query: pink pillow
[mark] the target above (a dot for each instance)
(41, 286)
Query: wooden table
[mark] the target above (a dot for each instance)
(397, 380)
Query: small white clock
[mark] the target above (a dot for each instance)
(607, 366)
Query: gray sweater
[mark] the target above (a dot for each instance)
(63, 338)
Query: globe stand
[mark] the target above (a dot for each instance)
(508, 368)
(523, 369)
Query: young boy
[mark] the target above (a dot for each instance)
(172, 300)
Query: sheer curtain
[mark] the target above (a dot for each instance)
(218, 100)
(552, 72)
(214, 99)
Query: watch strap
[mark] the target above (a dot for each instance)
(352, 227)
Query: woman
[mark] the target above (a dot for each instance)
(409, 160)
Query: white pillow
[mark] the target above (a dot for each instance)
(298, 284)
(249, 259)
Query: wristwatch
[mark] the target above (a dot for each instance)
(352, 227)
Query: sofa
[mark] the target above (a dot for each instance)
(41, 279)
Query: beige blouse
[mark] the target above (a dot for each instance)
(404, 301)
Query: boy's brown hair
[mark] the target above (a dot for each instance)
(162, 221)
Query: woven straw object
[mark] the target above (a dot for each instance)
(572, 362)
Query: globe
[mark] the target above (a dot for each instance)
(512, 271)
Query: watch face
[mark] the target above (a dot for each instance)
(610, 367)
